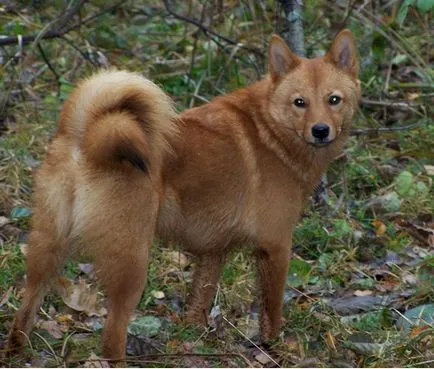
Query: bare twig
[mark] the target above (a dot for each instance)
(76, 48)
(53, 29)
(400, 105)
(388, 103)
(59, 23)
(362, 131)
(207, 31)
(254, 344)
(60, 31)
(41, 51)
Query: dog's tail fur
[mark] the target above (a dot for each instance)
(119, 119)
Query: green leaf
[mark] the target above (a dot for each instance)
(342, 228)
(20, 213)
(422, 188)
(403, 10)
(399, 59)
(325, 260)
(299, 272)
(425, 5)
(404, 183)
(420, 315)
(144, 326)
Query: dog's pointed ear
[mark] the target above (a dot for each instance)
(280, 58)
(343, 53)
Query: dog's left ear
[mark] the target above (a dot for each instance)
(343, 53)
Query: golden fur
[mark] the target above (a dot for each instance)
(124, 169)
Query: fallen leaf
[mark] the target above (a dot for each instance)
(410, 279)
(81, 297)
(20, 213)
(145, 326)
(366, 348)
(5, 296)
(418, 330)
(362, 293)
(412, 96)
(64, 318)
(330, 341)
(24, 249)
(380, 227)
(418, 316)
(4, 221)
(87, 269)
(292, 345)
(95, 361)
(429, 169)
(158, 294)
(390, 202)
(177, 258)
(52, 327)
(262, 358)
(356, 304)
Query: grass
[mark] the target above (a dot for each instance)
(355, 248)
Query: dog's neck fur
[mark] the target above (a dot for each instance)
(288, 147)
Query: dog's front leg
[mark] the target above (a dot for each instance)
(273, 270)
(205, 279)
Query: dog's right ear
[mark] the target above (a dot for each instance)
(280, 58)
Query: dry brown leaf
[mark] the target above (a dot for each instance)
(380, 227)
(64, 318)
(158, 294)
(262, 358)
(362, 292)
(24, 248)
(330, 341)
(412, 96)
(5, 296)
(81, 297)
(3, 221)
(95, 361)
(429, 169)
(177, 258)
(52, 327)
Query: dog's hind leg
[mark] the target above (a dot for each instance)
(117, 220)
(124, 278)
(44, 260)
(205, 278)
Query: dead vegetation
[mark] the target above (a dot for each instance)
(360, 290)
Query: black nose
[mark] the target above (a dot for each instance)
(320, 130)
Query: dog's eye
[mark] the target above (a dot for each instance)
(334, 100)
(299, 103)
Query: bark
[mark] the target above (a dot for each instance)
(293, 30)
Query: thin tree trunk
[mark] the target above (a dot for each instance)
(293, 30)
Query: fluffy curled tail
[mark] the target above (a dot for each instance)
(119, 119)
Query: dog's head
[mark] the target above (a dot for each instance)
(316, 98)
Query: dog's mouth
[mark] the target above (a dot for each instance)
(321, 142)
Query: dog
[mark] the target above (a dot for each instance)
(125, 168)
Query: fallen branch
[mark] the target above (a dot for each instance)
(42, 52)
(363, 131)
(387, 103)
(207, 31)
(60, 30)
(147, 358)
(53, 29)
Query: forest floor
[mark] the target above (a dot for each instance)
(360, 291)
